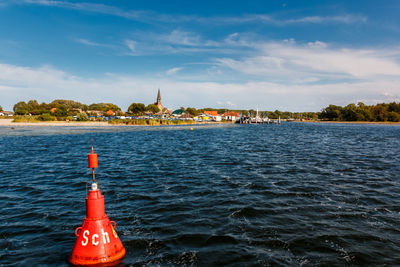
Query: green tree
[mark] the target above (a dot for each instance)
(395, 107)
(379, 112)
(152, 108)
(21, 108)
(61, 112)
(365, 113)
(34, 107)
(137, 108)
(1, 108)
(393, 116)
(278, 114)
(68, 104)
(349, 113)
(44, 107)
(82, 116)
(222, 110)
(46, 117)
(332, 113)
(119, 113)
(192, 111)
(104, 107)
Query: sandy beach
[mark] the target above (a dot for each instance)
(9, 122)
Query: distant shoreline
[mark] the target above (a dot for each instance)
(358, 122)
(9, 122)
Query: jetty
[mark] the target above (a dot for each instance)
(257, 120)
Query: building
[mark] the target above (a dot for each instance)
(6, 113)
(186, 116)
(211, 112)
(231, 116)
(158, 102)
(110, 113)
(178, 113)
(95, 112)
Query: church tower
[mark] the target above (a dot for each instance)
(158, 102)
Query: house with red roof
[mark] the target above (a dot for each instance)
(110, 113)
(211, 112)
(231, 116)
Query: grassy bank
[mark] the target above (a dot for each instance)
(150, 122)
(37, 120)
(358, 122)
(26, 119)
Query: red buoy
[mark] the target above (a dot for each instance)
(93, 163)
(96, 242)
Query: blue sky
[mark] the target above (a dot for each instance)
(267, 55)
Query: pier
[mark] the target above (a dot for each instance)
(258, 120)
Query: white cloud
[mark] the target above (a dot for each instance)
(226, 103)
(316, 44)
(288, 61)
(87, 42)
(46, 84)
(173, 71)
(345, 19)
(268, 19)
(150, 17)
(183, 38)
(189, 43)
(131, 45)
(229, 103)
(90, 7)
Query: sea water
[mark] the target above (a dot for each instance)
(244, 195)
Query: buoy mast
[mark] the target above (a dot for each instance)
(93, 163)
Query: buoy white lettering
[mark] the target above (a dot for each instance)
(105, 234)
(85, 233)
(95, 243)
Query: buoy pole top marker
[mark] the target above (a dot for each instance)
(93, 163)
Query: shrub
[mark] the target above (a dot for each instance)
(82, 116)
(46, 117)
(25, 119)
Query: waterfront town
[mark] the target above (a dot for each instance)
(156, 113)
(69, 110)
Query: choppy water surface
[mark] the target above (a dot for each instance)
(245, 195)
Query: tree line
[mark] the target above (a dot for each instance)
(62, 109)
(351, 112)
(251, 112)
(362, 112)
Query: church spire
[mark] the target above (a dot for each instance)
(158, 96)
(158, 102)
